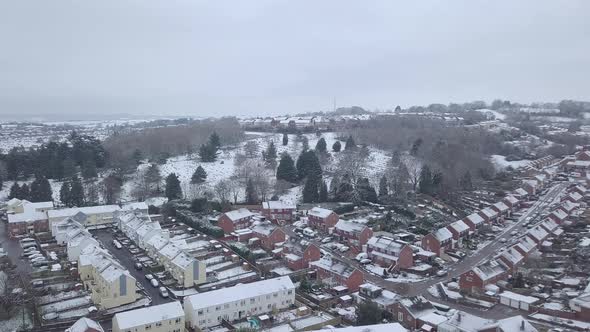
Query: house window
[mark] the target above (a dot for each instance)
(290, 291)
(469, 279)
(252, 301)
(178, 320)
(200, 312)
(400, 316)
(159, 324)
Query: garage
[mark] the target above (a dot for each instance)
(517, 301)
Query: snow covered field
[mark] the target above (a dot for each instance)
(500, 162)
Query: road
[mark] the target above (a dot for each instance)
(14, 251)
(462, 266)
(127, 260)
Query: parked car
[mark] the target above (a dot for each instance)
(344, 249)
(442, 273)
(117, 244)
(366, 261)
(327, 239)
(154, 283)
(361, 256)
(309, 232)
(149, 276)
(50, 316)
(513, 233)
(164, 292)
(503, 240)
(138, 266)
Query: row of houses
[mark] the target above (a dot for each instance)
(171, 254)
(26, 217)
(450, 237)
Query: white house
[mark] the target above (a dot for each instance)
(208, 309)
(168, 317)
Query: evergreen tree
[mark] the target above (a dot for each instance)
(64, 194)
(308, 164)
(383, 186)
(465, 181)
(285, 139)
(153, 178)
(286, 170)
(89, 169)
(416, 146)
(345, 190)
(270, 156)
(334, 184)
(14, 191)
(321, 146)
(77, 197)
(41, 190)
(1, 182)
(336, 146)
(365, 192)
(91, 194)
(68, 168)
(173, 190)
(208, 153)
(24, 192)
(311, 190)
(214, 140)
(323, 192)
(251, 194)
(199, 176)
(425, 185)
(350, 144)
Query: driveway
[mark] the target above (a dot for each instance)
(128, 261)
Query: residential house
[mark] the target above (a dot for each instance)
(474, 221)
(501, 208)
(538, 234)
(28, 222)
(521, 194)
(461, 321)
(269, 235)
(514, 323)
(390, 253)
(167, 317)
(568, 207)
(111, 285)
(558, 216)
(321, 219)
(438, 242)
(512, 202)
(85, 325)
(573, 197)
(353, 233)
(236, 219)
(383, 298)
(298, 254)
(459, 230)
(387, 327)
(334, 271)
(511, 258)
(89, 217)
(278, 211)
(490, 215)
(408, 311)
(525, 246)
(530, 186)
(482, 275)
(208, 309)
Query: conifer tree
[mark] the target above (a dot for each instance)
(173, 190)
(199, 176)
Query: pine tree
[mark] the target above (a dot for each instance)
(64, 194)
(425, 185)
(286, 170)
(89, 169)
(77, 197)
(334, 184)
(350, 144)
(153, 178)
(214, 140)
(383, 186)
(14, 191)
(366, 192)
(321, 146)
(208, 153)
(68, 167)
(173, 190)
(304, 143)
(251, 195)
(311, 190)
(24, 192)
(285, 139)
(336, 146)
(1, 182)
(345, 190)
(323, 192)
(91, 194)
(199, 176)
(308, 164)
(41, 190)
(271, 151)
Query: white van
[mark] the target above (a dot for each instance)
(308, 232)
(117, 244)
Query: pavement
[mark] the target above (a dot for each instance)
(462, 266)
(105, 237)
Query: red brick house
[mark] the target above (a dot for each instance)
(474, 221)
(538, 234)
(236, 219)
(485, 274)
(438, 242)
(298, 255)
(408, 311)
(558, 216)
(321, 219)
(459, 230)
(390, 253)
(333, 271)
(549, 225)
(269, 234)
(583, 155)
(579, 189)
(511, 258)
(525, 246)
(573, 197)
(512, 202)
(355, 234)
(85, 325)
(531, 186)
(27, 223)
(277, 211)
(490, 215)
(567, 207)
(521, 194)
(501, 208)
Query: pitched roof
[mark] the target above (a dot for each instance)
(459, 226)
(278, 205)
(386, 243)
(152, 314)
(319, 212)
(443, 234)
(501, 206)
(239, 214)
(83, 324)
(475, 218)
(334, 265)
(350, 226)
(489, 270)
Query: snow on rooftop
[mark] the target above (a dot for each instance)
(489, 269)
(489, 212)
(559, 214)
(516, 323)
(501, 206)
(443, 234)
(459, 226)
(521, 192)
(390, 327)
(519, 297)
(70, 212)
(238, 292)
(278, 205)
(475, 218)
(239, 214)
(29, 215)
(319, 212)
(84, 324)
(264, 228)
(511, 199)
(386, 244)
(350, 226)
(538, 233)
(134, 318)
(462, 321)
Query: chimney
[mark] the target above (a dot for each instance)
(522, 325)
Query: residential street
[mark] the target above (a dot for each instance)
(126, 259)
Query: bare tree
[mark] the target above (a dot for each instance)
(223, 190)
(235, 188)
(414, 167)
(250, 148)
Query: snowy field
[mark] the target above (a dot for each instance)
(500, 162)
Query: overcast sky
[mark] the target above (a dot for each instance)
(273, 57)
